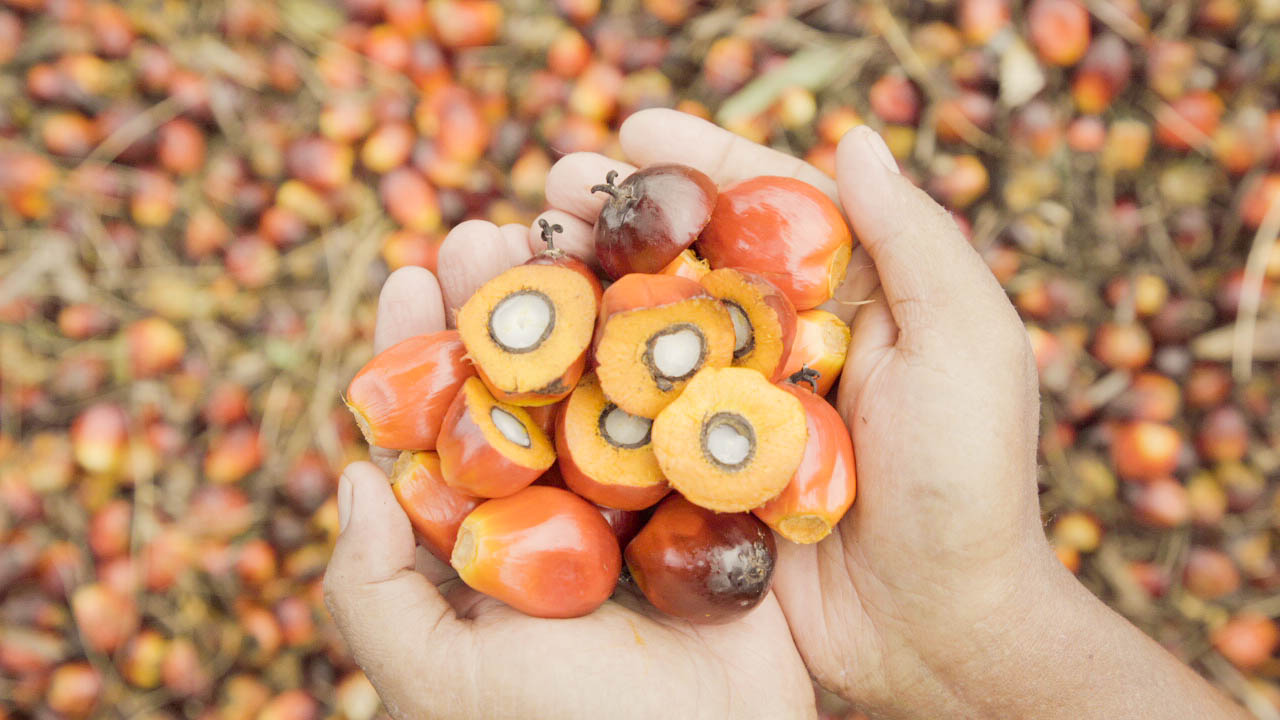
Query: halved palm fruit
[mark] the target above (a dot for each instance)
(528, 329)
(489, 448)
(731, 441)
(656, 332)
(605, 452)
(764, 320)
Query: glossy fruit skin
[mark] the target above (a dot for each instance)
(401, 396)
(435, 510)
(625, 524)
(651, 217)
(471, 464)
(785, 230)
(687, 265)
(810, 347)
(544, 551)
(683, 561)
(825, 484)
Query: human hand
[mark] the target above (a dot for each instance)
(434, 648)
(940, 394)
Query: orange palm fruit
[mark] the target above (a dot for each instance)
(825, 484)
(1143, 451)
(655, 332)
(764, 320)
(687, 265)
(785, 230)
(731, 441)
(488, 448)
(435, 509)
(528, 329)
(399, 398)
(821, 343)
(605, 453)
(543, 551)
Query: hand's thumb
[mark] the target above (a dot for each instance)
(926, 267)
(390, 615)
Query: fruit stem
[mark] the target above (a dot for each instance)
(806, 375)
(608, 185)
(549, 230)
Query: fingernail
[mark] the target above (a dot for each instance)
(876, 144)
(345, 496)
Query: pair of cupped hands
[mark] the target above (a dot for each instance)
(918, 592)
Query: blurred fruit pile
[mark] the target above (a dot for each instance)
(198, 202)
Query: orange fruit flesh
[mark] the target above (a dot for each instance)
(821, 343)
(838, 268)
(492, 449)
(763, 319)
(687, 265)
(731, 441)
(646, 356)
(527, 330)
(605, 453)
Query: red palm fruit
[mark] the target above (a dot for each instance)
(320, 162)
(206, 233)
(140, 661)
(105, 618)
(894, 99)
(290, 705)
(1190, 121)
(182, 670)
(153, 346)
(821, 344)
(569, 53)
(74, 690)
(825, 484)
(388, 147)
(1151, 396)
(1122, 346)
(410, 200)
(764, 320)
(252, 261)
(783, 229)
(1162, 502)
(543, 551)
(1223, 435)
(970, 107)
(405, 247)
(1145, 450)
(81, 321)
(69, 134)
(400, 397)
(232, 455)
(605, 453)
(1059, 30)
(488, 448)
(99, 438)
(180, 146)
(1259, 199)
(654, 333)
(700, 565)
(980, 20)
(957, 181)
(1248, 639)
(465, 23)
(435, 509)
(109, 529)
(729, 63)
(1103, 74)
(651, 217)
(1210, 574)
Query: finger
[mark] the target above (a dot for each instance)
(660, 135)
(410, 304)
(575, 236)
(391, 616)
(473, 253)
(433, 568)
(570, 181)
(935, 283)
(872, 338)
